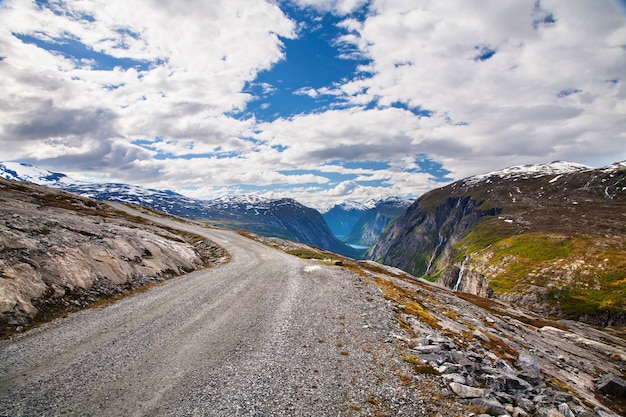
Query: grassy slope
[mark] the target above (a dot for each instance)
(581, 274)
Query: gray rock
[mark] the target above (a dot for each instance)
(464, 391)
(514, 383)
(603, 412)
(566, 410)
(526, 405)
(451, 368)
(519, 412)
(529, 365)
(611, 384)
(547, 412)
(428, 349)
(477, 334)
(458, 378)
(491, 406)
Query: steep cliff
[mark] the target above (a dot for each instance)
(426, 234)
(550, 237)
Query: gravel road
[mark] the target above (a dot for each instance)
(267, 334)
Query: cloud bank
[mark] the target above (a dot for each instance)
(159, 93)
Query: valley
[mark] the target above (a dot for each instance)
(359, 337)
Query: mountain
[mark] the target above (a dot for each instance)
(342, 217)
(284, 218)
(30, 173)
(60, 251)
(549, 237)
(373, 221)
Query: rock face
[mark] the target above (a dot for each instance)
(59, 251)
(424, 235)
(545, 237)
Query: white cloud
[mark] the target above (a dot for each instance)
(201, 54)
(339, 7)
(426, 56)
(507, 83)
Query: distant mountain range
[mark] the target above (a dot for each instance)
(361, 224)
(549, 237)
(284, 218)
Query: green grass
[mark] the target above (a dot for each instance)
(487, 232)
(420, 367)
(583, 275)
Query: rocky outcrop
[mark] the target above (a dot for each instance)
(59, 252)
(502, 360)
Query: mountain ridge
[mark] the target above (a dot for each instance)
(537, 236)
(284, 218)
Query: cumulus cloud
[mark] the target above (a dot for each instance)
(185, 66)
(525, 81)
(153, 92)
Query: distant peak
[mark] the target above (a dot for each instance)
(617, 166)
(29, 173)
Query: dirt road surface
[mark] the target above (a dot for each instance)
(267, 334)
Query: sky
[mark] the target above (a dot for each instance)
(317, 100)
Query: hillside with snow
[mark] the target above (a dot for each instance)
(549, 237)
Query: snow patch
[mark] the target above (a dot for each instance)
(558, 168)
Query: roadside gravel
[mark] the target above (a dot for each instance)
(266, 335)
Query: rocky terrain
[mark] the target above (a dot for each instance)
(496, 359)
(551, 238)
(60, 252)
(405, 344)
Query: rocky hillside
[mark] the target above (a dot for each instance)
(496, 359)
(373, 222)
(285, 218)
(548, 237)
(60, 252)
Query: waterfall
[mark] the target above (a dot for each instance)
(458, 280)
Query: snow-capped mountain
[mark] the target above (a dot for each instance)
(348, 205)
(374, 220)
(30, 173)
(284, 218)
(342, 216)
(529, 171)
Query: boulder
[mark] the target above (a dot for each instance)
(611, 384)
(491, 406)
(529, 365)
(465, 391)
(565, 409)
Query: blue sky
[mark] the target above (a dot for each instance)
(319, 100)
